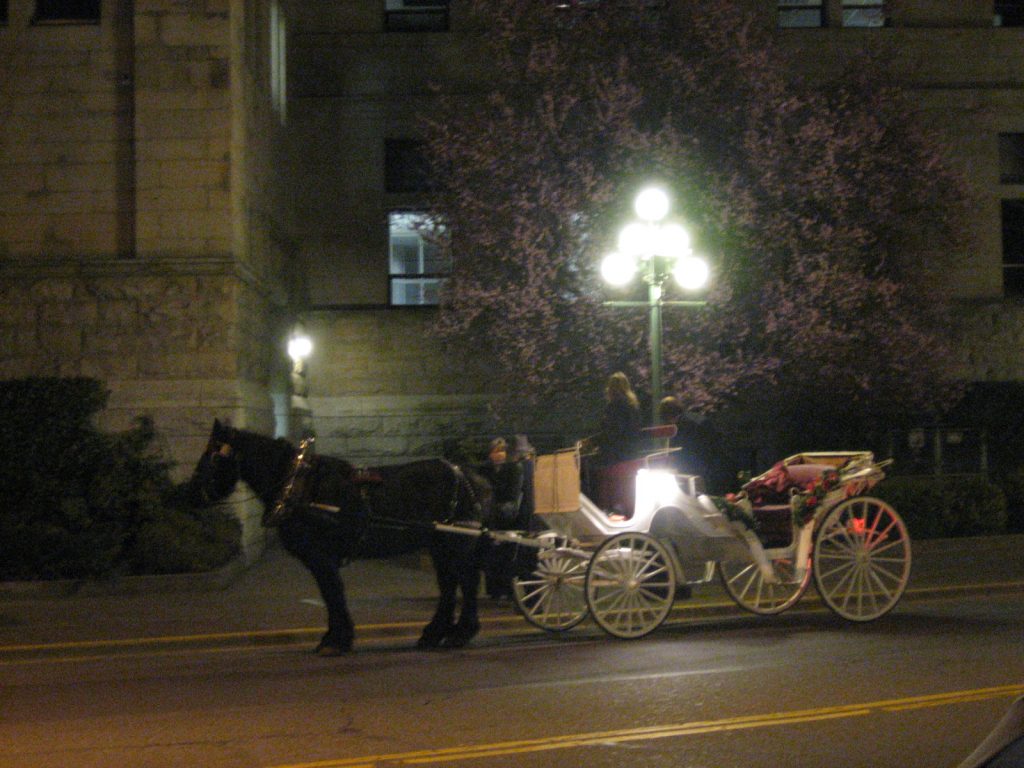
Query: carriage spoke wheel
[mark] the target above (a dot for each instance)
(861, 558)
(744, 581)
(631, 583)
(552, 597)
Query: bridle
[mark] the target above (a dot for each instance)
(217, 451)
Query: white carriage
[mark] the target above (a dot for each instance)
(807, 517)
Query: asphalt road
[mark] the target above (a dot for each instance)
(919, 687)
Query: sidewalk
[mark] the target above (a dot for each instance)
(276, 600)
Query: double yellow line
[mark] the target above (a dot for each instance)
(504, 748)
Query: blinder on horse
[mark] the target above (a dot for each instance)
(217, 473)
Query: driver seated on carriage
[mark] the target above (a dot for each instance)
(505, 474)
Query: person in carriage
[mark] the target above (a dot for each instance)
(617, 443)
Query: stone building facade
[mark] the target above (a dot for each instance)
(141, 239)
(185, 180)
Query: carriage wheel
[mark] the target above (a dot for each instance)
(861, 558)
(631, 583)
(746, 585)
(552, 597)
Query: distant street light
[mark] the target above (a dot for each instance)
(656, 250)
(299, 347)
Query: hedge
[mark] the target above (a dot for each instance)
(950, 506)
(79, 503)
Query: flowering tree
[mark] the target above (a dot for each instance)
(824, 209)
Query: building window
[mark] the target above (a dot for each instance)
(67, 12)
(278, 62)
(1013, 247)
(801, 15)
(1008, 13)
(1011, 158)
(3, 12)
(417, 264)
(416, 15)
(405, 166)
(863, 13)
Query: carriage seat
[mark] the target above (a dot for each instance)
(775, 485)
(769, 496)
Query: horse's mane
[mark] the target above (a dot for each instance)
(264, 461)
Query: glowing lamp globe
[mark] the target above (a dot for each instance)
(618, 268)
(651, 204)
(691, 273)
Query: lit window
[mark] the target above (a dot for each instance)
(67, 11)
(416, 15)
(418, 265)
(1008, 13)
(863, 13)
(1013, 247)
(810, 13)
(1011, 158)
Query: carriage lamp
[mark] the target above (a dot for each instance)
(655, 249)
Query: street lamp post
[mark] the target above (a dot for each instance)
(656, 249)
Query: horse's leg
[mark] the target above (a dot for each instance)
(467, 573)
(440, 626)
(314, 549)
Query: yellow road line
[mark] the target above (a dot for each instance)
(254, 636)
(569, 741)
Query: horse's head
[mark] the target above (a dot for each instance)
(217, 472)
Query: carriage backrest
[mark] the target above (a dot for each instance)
(556, 482)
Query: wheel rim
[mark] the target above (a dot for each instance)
(746, 585)
(552, 597)
(862, 559)
(631, 584)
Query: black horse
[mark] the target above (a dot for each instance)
(343, 512)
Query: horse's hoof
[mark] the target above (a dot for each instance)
(329, 651)
(328, 647)
(460, 637)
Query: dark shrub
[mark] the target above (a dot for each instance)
(78, 503)
(1012, 484)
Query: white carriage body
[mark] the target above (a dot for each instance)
(596, 562)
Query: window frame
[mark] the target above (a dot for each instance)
(426, 280)
(793, 8)
(406, 168)
(61, 12)
(1008, 10)
(849, 10)
(1012, 227)
(412, 16)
